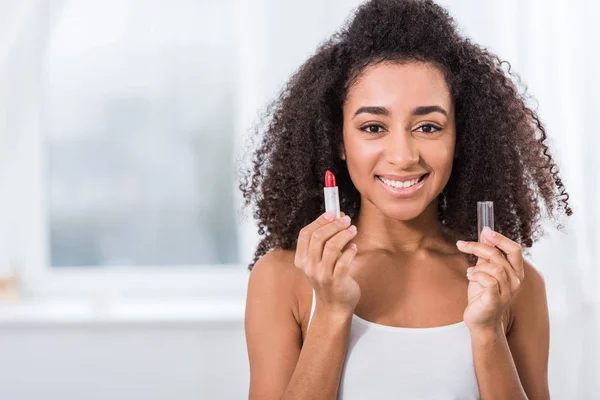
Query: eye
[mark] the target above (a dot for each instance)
(367, 128)
(429, 128)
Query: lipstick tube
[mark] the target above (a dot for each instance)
(485, 216)
(332, 197)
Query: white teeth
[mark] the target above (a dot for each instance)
(399, 184)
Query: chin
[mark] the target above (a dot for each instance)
(403, 213)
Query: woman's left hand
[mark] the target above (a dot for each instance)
(493, 281)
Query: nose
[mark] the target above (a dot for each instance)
(402, 150)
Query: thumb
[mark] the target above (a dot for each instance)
(484, 241)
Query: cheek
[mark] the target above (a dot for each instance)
(361, 154)
(367, 150)
(439, 157)
(361, 158)
(439, 154)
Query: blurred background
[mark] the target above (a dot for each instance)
(123, 252)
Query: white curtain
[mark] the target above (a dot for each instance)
(553, 45)
(17, 110)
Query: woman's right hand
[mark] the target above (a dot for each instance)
(324, 255)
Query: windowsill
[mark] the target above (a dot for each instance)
(147, 282)
(59, 312)
(152, 295)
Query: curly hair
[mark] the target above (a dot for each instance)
(502, 154)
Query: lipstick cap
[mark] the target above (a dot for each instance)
(485, 216)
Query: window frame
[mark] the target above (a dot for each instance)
(28, 219)
(39, 278)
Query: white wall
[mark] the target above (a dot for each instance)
(67, 352)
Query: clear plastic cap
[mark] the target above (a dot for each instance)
(485, 216)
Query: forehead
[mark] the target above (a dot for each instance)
(405, 85)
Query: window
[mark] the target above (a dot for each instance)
(119, 124)
(138, 128)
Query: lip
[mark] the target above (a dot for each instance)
(402, 178)
(403, 192)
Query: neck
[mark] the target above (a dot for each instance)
(417, 236)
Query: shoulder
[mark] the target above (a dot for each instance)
(274, 277)
(531, 299)
(276, 265)
(271, 324)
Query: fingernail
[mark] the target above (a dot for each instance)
(461, 243)
(353, 246)
(469, 270)
(345, 219)
(488, 232)
(328, 215)
(352, 228)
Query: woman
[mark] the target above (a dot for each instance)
(401, 297)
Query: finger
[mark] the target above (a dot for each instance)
(306, 233)
(514, 282)
(513, 250)
(342, 266)
(321, 235)
(481, 250)
(480, 260)
(482, 239)
(497, 272)
(334, 247)
(487, 281)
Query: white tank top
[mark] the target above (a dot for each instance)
(387, 362)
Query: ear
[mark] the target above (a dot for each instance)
(342, 152)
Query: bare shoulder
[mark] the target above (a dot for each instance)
(531, 297)
(276, 276)
(272, 324)
(275, 267)
(533, 275)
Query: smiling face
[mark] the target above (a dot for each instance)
(399, 126)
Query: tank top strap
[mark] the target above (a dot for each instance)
(312, 310)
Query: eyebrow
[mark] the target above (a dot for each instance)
(423, 110)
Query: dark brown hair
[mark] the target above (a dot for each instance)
(500, 141)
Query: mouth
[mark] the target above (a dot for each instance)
(403, 189)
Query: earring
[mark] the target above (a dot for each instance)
(443, 198)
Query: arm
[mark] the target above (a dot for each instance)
(516, 367)
(494, 366)
(280, 365)
(529, 336)
(317, 374)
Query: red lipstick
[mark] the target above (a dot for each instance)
(332, 198)
(329, 179)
